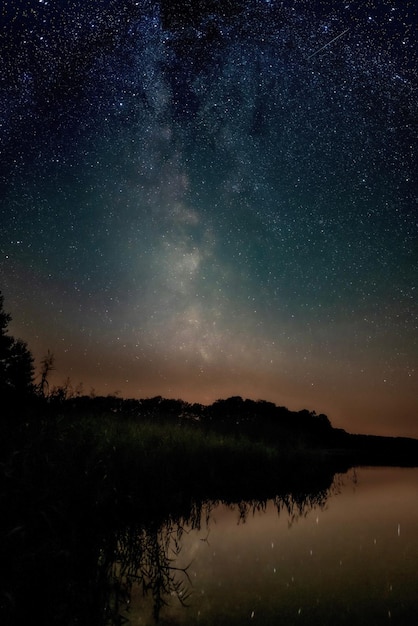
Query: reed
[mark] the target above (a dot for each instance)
(152, 465)
(71, 481)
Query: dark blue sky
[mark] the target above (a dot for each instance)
(216, 200)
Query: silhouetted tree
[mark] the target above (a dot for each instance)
(6, 342)
(16, 362)
(229, 410)
(47, 366)
(21, 369)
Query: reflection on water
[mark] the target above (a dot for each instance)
(347, 554)
(155, 565)
(351, 558)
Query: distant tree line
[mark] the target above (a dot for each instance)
(258, 419)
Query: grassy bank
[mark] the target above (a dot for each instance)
(110, 463)
(71, 483)
(114, 462)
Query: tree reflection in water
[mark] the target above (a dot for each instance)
(146, 557)
(80, 565)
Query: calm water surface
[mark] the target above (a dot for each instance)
(350, 560)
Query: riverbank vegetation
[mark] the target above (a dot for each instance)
(61, 449)
(76, 469)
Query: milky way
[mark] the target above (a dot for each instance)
(216, 198)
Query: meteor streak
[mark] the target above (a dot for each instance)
(329, 43)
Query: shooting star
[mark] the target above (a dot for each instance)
(328, 44)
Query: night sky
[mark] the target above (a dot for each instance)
(216, 198)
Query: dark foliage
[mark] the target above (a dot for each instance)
(16, 365)
(259, 420)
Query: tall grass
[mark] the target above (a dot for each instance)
(118, 463)
(71, 481)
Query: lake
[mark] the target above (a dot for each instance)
(349, 556)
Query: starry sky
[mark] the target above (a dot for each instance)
(213, 198)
